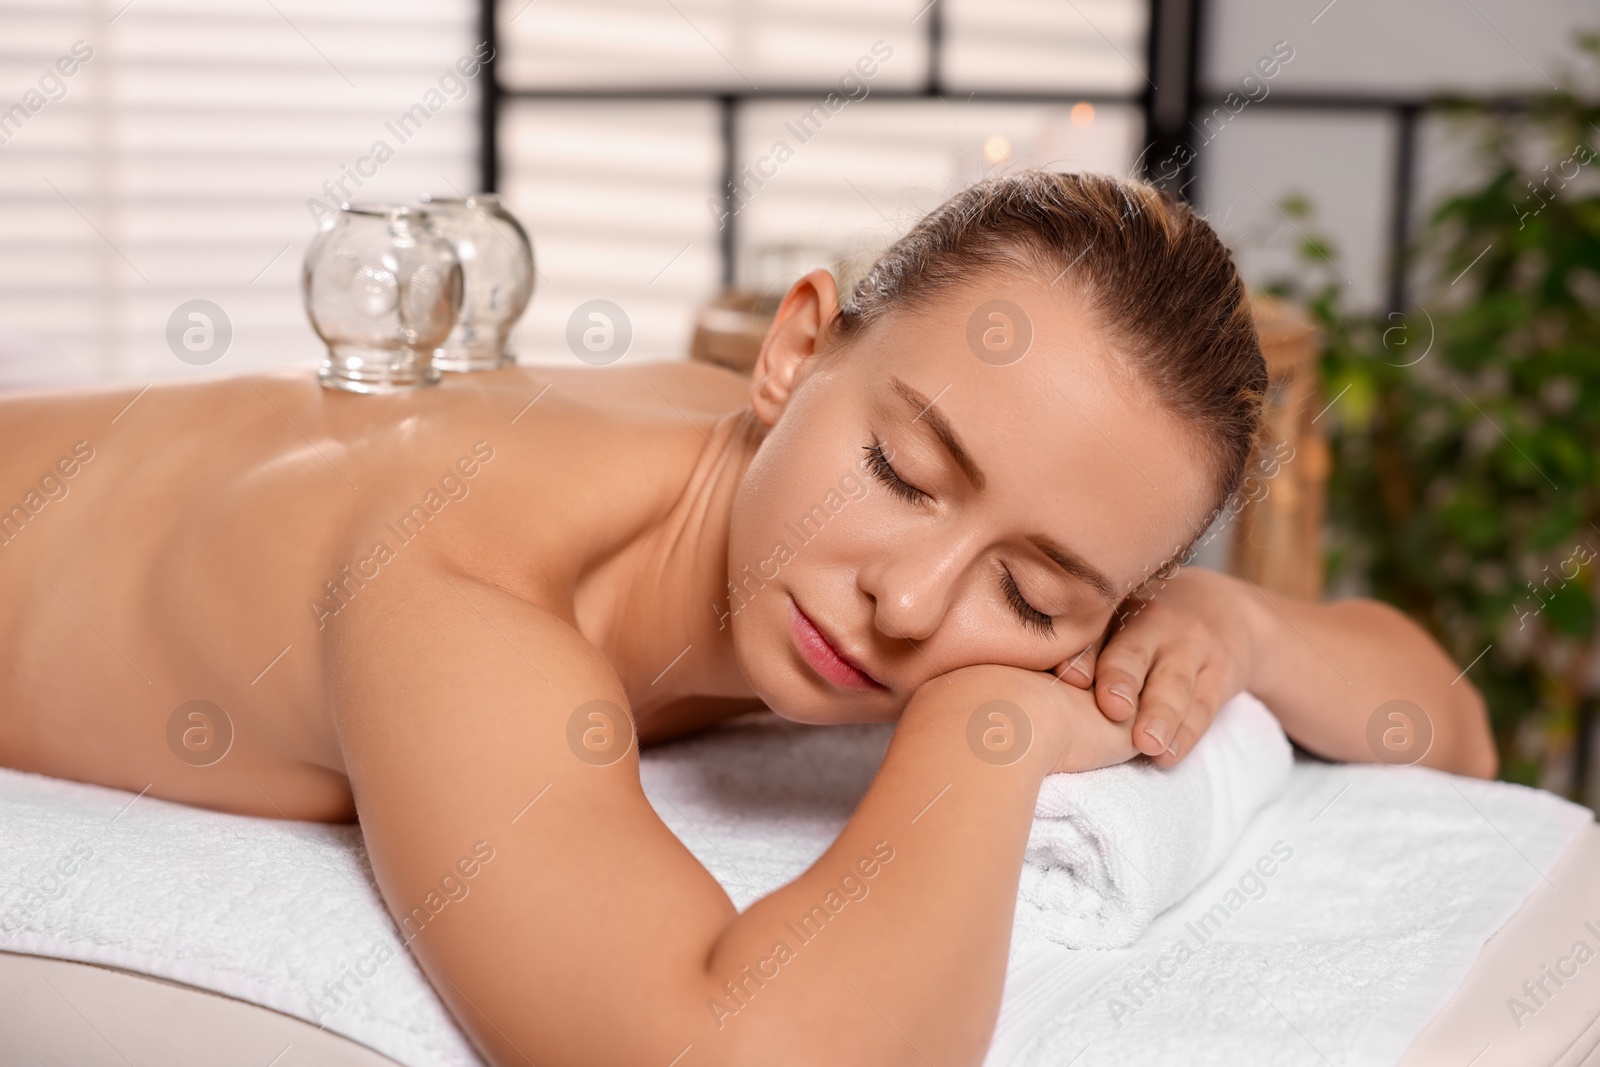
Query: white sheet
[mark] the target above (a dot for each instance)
(1396, 879)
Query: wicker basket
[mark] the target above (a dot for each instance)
(1277, 538)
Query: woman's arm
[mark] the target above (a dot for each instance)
(592, 935)
(1325, 669)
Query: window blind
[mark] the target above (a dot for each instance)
(622, 191)
(178, 160)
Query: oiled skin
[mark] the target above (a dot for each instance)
(186, 553)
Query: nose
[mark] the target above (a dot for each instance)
(914, 583)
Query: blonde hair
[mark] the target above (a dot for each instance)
(1153, 272)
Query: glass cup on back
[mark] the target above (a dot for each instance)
(497, 274)
(382, 289)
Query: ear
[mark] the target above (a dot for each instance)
(802, 322)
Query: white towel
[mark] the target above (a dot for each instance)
(1350, 911)
(1398, 876)
(276, 913)
(1112, 848)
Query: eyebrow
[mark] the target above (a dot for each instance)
(1076, 566)
(924, 409)
(1063, 557)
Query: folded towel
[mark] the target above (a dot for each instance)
(1111, 849)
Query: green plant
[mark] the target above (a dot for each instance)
(1466, 433)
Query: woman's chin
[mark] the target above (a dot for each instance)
(788, 697)
(776, 687)
(809, 716)
(826, 712)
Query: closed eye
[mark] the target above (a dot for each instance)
(884, 472)
(1031, 616)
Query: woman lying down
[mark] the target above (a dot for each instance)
(442, 611)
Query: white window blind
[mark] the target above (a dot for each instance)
(177, 163)
(879, 166)
(613, 195)
(703, 44)
(1084, 46)
(622, 193)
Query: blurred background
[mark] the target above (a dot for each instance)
(1415, 183)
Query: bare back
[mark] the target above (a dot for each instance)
(203, 542)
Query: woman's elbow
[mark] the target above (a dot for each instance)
(1474, 749)
(1464, 740)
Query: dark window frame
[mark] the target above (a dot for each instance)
(1173, 58)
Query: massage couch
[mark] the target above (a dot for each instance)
(1390, 914)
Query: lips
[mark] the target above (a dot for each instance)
(823, 657)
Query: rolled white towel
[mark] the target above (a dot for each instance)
(1111, 849)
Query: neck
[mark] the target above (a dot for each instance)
(668, 639)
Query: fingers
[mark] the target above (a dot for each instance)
(1079, 670)
(1205, 700)
(1120, 674)
(1164, 704)
(1093, 741)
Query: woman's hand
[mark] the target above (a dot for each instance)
(1010, 710)
(1094, 740)
(1172, 655)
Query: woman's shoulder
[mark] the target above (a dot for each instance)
(578, 463)
(683, 387)
(638, 414)
(594, 432)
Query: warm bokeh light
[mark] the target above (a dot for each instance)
(1082, 114)
(997, 148)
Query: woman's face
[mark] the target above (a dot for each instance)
(926, 500)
